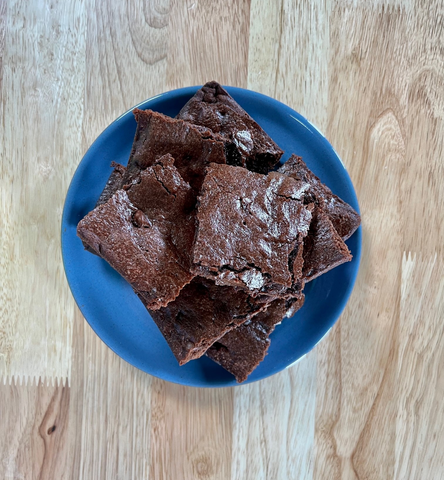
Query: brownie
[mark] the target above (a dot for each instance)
(248, 145)
(192, 148)
(241, 350)
(250, 228)
(114, 183)
(200, 315)
(324, 249)
(343, 217)
(146, 232)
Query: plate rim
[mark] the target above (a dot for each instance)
(191, 90)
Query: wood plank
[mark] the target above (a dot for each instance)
(279, 411)
(423, 224)
(420, 385)
(208, 41)
(109, 414)
(191, 433)
(407, 415)
(34, 441)
(273, 428)
(376, 6)
(288, 54)
(42, 96)
(193, 426)
(126, 62)
(3, 11)
(370, 139)
(327, 463)
(109, 422)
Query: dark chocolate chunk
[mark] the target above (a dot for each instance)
(343, 217)
(192, 148)
(146, 232)
(141, 220)
(249, 226)
(241, 350)
(248, 145)
(324, 249)
(200, 315)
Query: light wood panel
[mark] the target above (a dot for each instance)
(191, 432)
(43, 72)
(424, 169)
(126, 59)
(366, 403)
(370, 140)
(109, 415)
(215, 46)
(35, 438)
(126, 63)
(420, 386)
(289, 62)
(289, 53)
(273, 425)
(2, 41)
(191, 429)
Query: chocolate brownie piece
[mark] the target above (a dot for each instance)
(249, 146)
(243, 349)
(114, 183)
(344, 218)
(324, 249)
(200, 315)
(146, 232)
(249, 226)
(192, 148)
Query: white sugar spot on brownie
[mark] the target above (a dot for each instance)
(253, 279)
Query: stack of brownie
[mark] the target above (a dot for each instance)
(216, 244)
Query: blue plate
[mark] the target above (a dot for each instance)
(108, 302)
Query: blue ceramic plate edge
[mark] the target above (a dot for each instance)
(301, 119)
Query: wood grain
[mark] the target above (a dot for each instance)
(109, 415)
(288, 55)
(375, 161)
(215, 45)
(193, 427)
(2, 43)
(42, 97)
(126, 59)
(34, 441)
(366, 403)
(424, 112)
(273, 426)
(420, 386)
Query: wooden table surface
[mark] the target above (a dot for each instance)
(367, 403)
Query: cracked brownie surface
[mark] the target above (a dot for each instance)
(146, 232)
(324, 249)
(200, 315)
(192, 147)
(249, 146)
(249, 225)
(241, 350)
(343, 217)
(114, 183)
